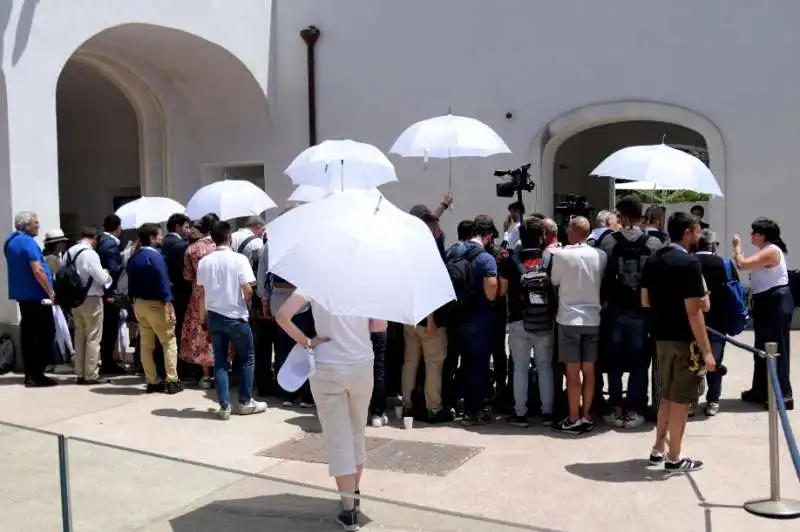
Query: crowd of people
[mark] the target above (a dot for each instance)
(544, 322)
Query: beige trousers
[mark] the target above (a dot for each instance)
(342, 393)
(88, 320)
(432, 347)
(153, 323)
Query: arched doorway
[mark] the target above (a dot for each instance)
(98, 146)
(580, 154)
(550, 138)
(146, 110)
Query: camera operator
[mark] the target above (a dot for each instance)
(516, 211)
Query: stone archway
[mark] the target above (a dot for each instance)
(550, 138)
(195, 104)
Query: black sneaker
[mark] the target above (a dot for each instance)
(588, 424)
(348, 519)
(684, 465)
(547, 420)
(570, 427)
(445, 415)
(174, 387)
(155, 388)
(518, 421)
(656, 457)
(357, 501)
(112, 369)
(39, 382)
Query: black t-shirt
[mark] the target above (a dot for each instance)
(714, 273)
(671, 276)
(507, 269)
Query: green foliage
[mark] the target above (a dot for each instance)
(663, 197)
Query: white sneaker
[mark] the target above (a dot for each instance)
(385, 419)
(303, 404)
(377, 421)
(205, 383)
(224, 413)
(287, 404)
(633, 421)
(614, 421)
(252, 407)
(712, 409)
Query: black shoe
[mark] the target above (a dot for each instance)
(684, 465)
(348, 519)
(570, 427)
(357, 501)
(547, 420)
(158, 387)
(442, 416)
(91, 382)
(171, 388)
(588, 424)
(754, 396)
(112, 369)
(518, 421)
(656, 457)
(39, 382)
(788, 402)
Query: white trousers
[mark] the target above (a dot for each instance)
(342, 393)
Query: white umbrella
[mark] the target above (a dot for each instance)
(356, 254)
(341, 164)
(144, 210)
(229, 199)
(447, 137)
(661, 167)
(308, 193)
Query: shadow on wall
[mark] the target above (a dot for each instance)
(24, 25)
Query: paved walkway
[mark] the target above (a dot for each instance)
(532, 477)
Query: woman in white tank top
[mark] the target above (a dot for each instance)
(772, 305)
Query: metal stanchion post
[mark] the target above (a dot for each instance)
(774, 507)
(63, 473)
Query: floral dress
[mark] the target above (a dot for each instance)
(195, 345)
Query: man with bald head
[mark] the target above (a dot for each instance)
(577, 273)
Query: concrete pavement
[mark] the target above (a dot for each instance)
(527, 476)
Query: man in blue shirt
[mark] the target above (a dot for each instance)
(30, 284)
(150, 290)
(476, 327)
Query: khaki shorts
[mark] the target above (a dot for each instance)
(678, 383)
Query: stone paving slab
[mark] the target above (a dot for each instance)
(528, 476)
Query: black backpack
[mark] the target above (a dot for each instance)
(624, 271)
(459, 268)
(538, 295)
(68, 286)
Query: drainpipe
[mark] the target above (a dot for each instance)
(310, 36)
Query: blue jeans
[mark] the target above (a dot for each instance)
(475, 339)
(714, 379)
(628, 337)
(520, 343)
(224, 331)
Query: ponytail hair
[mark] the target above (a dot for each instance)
(771, 232)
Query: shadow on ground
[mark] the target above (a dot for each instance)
(284, 511)
(635, 470)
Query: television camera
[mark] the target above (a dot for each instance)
(574, 205)
(519, 181)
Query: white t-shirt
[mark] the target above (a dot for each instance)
(578, 272)
(349, 342)
(222, 274)
(253, 248)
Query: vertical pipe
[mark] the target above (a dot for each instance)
(63, 473)
(310, 36)
(771, 349)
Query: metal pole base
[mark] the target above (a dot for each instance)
(780, 509)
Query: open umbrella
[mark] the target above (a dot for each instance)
(449, 136)
(308, 193)
(229, 199)
(148, 209)
(316, 246)
(341, 165)
(659, 167)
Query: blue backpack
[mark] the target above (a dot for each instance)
(737, 314)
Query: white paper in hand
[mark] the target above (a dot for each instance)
(297, 369)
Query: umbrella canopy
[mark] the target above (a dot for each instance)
(356, 254)
(144, 210)
(340, 165)
(661, 167)
(229, 199)
(308, 193)
(449, 136)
